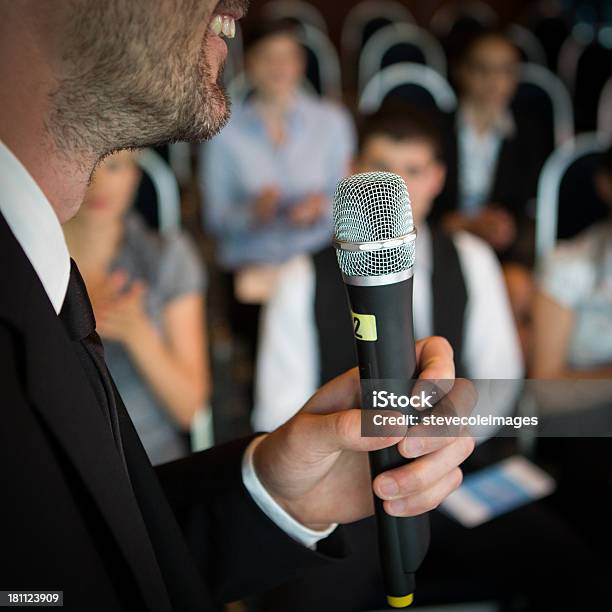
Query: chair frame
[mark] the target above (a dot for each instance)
(381, 41)
(604, 109)
(446, 15)
(547, 205)
(329, 63)
(569, 55)
(364, 12)
(563, 113)
(166, 189)
(407, 73)
(527, 42)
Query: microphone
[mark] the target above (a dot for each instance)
(375, 242)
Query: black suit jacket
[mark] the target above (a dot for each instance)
(184, 536)
(521, 157)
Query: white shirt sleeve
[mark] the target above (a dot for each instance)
(287, 371)
(294, 529)
(491, 350)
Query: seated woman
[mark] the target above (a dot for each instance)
(572, 344)
(573, 307)
(268, 178)
(147, 295)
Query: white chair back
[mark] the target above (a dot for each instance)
(407, 73)
(527, 42)
(547, 207)
(327, 58)
(166, 189)
(552, 85)
(373, 52)
(363, 13)
(604, 109)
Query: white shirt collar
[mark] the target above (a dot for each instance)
(35, 226)
(503, 127)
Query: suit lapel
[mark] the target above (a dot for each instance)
(62, 396)
(505, 160)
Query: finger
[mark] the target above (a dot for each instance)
(426, 500)
(460, 402)
(341, 393)
(417, 446)
(435, 358)
(325, 434)
(117, 281)
(424, 472)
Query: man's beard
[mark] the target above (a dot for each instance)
(135, 74)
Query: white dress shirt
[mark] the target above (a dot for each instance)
(36, 227)
(478, 154)
(288, 358)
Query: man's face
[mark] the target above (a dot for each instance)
(112, 189)
(414, 161)
(140, 73)
(276, 66)
(488, 76)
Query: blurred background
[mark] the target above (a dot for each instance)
(498, 115)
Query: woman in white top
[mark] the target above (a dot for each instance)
(573, 307)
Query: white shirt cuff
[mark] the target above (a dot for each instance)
(294, 529)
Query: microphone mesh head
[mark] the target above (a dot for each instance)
(368, 207)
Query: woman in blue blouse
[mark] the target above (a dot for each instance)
(269, 177)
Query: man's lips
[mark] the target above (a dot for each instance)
(236, 9)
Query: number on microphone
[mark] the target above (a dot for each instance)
(364, 327)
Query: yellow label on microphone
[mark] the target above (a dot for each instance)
(364, 327)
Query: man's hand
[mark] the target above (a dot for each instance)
(316, 465)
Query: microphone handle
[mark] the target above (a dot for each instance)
(386, 350)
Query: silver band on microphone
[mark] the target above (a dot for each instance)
(375, 245)
(382, 279)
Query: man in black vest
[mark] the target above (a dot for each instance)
(82, 510)
(307, 335)
(459, 292)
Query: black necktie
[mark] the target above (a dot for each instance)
(78, 318)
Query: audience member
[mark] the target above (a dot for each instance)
(573, 307)
(306, 335)
(268, 177)
(494, 156)
(572, 349)
(492, 166)
(147, 296)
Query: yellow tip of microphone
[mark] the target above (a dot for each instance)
(400, 602)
